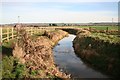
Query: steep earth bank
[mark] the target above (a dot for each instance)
(36, 54)
(100, 53)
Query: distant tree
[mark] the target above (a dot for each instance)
(35, 26)
(31, 26)
(50, 25)
(54, 24)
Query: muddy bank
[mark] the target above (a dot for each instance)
(36, 54)
(100, 54)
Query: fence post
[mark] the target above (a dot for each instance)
(36, 30)
(7, 34)
(12, 33)
(1, 34)
(89, 28)
(106, 29)
(31, 30)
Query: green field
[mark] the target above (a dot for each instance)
(100, 27)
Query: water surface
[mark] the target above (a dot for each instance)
(66, 59)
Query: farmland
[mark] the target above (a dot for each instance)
(100, 27)
(31, 38)
(60, 40)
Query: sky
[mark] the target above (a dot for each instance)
(58, 11)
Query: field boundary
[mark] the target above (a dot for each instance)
(7, 33)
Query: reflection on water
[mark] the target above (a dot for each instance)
(66, 59)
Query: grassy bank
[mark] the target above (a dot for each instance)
(100, 50)
(33, 57)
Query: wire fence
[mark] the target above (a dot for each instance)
(7, 33)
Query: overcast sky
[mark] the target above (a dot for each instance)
(58, 11)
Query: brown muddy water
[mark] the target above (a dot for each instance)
(66, 59)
